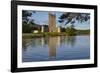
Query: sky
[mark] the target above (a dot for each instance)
(41, 18)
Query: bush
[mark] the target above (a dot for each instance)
(70, 31)
(26, 28)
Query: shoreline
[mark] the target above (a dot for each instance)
(32, 35)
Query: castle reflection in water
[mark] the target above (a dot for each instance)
(51, 42)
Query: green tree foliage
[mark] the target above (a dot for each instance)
(69, 17)
(70, 30)
(26, 28)
(63, 29)
(26, 14)
(28, 24)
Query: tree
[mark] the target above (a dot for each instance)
(26, 14)
(27, 22)
(69, 17)
(26, 28)
(71, 30)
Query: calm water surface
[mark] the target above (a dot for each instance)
(56, 48)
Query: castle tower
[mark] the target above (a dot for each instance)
(52, 22)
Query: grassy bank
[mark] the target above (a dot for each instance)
(82, 32)
(46, 34)
(31, 35)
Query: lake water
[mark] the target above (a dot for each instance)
(55, 48)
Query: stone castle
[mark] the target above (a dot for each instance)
(52, 23)
(51, 27)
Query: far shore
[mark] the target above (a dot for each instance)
(47, 34)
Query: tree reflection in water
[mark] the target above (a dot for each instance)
(71, 40)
